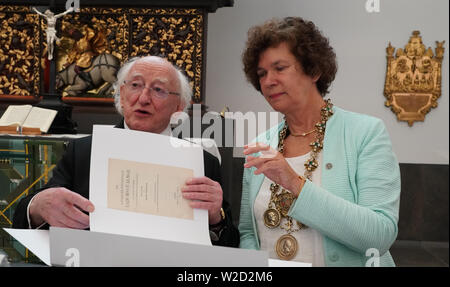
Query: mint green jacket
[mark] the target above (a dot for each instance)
(356, 208)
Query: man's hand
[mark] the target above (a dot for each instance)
(60, 207)
(205, 193)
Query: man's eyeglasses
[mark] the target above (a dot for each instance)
(137, 87)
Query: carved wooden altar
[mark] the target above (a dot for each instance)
(173, 29)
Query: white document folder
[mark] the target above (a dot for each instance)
(81, 248)
(59, 246)
(142, 147)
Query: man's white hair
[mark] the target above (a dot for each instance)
(185, 87)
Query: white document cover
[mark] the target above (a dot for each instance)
(134, 150)
(37, 241)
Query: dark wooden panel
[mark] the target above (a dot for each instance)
(424, 202)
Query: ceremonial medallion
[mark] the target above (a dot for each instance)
(280, 203)
(272, 218)
(284, 201)
(286, 247)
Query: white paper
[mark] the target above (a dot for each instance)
(37, 241)
(143, 147)
(284, 263)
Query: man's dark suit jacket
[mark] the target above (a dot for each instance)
(72, 172)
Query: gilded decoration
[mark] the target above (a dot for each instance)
(174, 33)
(92, 44)
(413, 79)
(123, 33)
(19, 52)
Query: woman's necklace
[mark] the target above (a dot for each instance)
(280, 202)
(303, 134)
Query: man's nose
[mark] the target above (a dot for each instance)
(145, 96)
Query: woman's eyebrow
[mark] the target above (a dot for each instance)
(277, 62)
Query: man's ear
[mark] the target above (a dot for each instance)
(181, 105)
(121, 88)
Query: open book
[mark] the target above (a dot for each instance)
(26, 119)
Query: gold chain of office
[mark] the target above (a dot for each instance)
(280, 202)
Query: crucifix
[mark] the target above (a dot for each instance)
(51, 99)
(51, 28)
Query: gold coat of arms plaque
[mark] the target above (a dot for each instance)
(413, 79)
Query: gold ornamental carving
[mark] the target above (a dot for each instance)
(19, 52)
(175, 33)
(124, 33)
(93, 45)
(413, 79)
(109, 36)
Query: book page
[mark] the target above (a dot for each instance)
(15, 115)
(40, 118)
(153, 160)
(148, 188)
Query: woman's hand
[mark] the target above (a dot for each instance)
(274, 166)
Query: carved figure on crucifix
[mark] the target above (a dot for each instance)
(51, 18)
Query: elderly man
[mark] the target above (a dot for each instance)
(148, 91)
